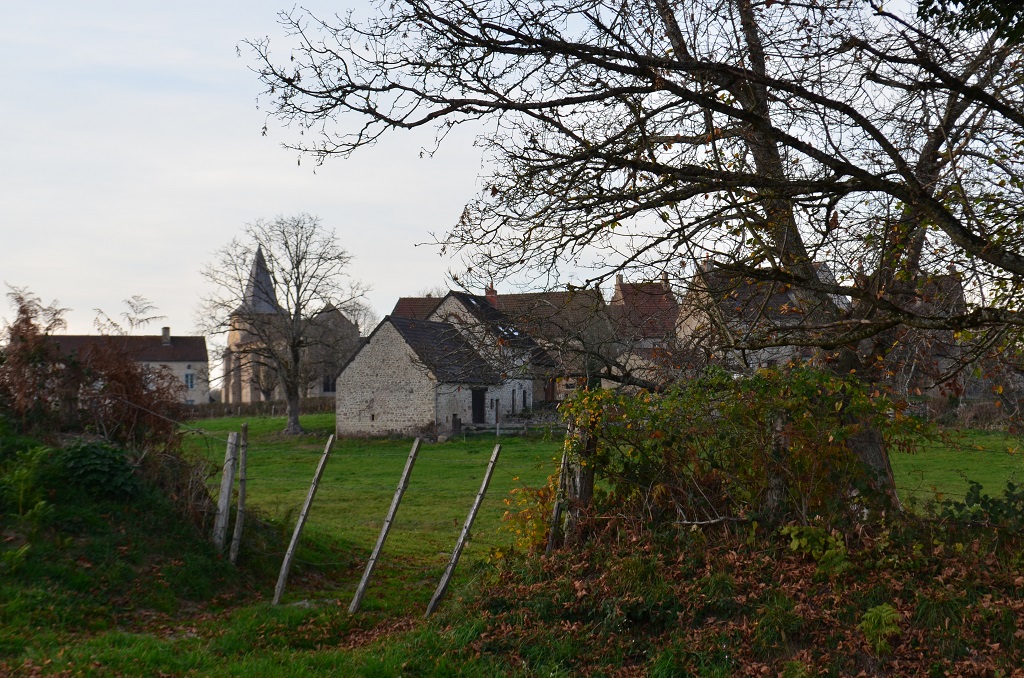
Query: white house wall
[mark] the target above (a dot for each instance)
(457, 399)
(194, 373)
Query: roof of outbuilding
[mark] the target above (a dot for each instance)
(149, 349)
(499, 323)
(443, 350)
(554, 316)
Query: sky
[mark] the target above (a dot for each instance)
(131, 150)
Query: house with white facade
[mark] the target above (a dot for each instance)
(184, 356)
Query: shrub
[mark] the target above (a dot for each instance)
(771, 446)
(978, 508)
(102, 470)
(22, 480)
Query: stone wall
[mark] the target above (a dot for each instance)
(383, 390)
(504, 401)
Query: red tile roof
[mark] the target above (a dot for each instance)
(643, 310)
(416, 308)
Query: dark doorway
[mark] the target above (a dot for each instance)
(478, 405)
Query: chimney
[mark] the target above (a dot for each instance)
(492, 295)
(618, 280)
(664, 280)
(166, 336)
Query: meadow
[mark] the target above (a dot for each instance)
(180, 609)
(361, 476)
(358, 485)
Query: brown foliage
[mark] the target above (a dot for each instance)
(102, 391)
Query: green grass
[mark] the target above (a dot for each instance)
(63, 625)
(942, 470)
(359, 483)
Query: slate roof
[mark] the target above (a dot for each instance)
(943, 294)
(443, 350)
(418, 308)
(554, 316)
(748, 301)
(499, 323)
(148, 349)
(259, 295)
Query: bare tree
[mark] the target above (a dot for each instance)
(650, 135)
(281, 293)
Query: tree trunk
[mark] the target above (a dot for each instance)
(580, 485)
(292, 402)
(867, 443)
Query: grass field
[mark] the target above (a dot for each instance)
(361, 476)
(943, 470)
(243, 635)
(357, 488)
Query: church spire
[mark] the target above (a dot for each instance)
(259, 291)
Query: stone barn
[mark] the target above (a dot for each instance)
(414, 376)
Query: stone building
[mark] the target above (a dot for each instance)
(330, 338)
(559, 339)
(415, 376)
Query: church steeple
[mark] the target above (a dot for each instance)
(259, 294)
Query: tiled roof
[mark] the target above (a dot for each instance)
(418, 308)
(643, 310)
(443, 350)
(149, 349)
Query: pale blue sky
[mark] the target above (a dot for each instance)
(130, 150)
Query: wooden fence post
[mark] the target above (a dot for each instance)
(555, 533)
(457, 551)
(243, 461)
(372, 563)
(290, 553)
(227, 482)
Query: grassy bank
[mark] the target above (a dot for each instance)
(130, 600)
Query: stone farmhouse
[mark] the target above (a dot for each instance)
(436, 364)
(422, 376)
(185, 357)
(248, 376)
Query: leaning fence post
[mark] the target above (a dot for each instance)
(290, 553)
(243, 456)
(457, 551)
(555, 533)
(227, 481)
(372, 563)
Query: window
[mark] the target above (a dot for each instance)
(190, 381)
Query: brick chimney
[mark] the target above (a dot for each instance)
(166, 335)
(491, 295)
